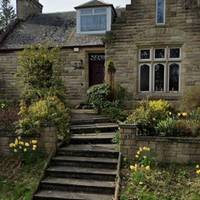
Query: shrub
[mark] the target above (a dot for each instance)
(191, 98)
(148, 115)
(43, 97)
(99, 95)
(167, 127)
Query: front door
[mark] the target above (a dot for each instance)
(96, 68)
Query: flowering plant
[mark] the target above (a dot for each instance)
(25, 150)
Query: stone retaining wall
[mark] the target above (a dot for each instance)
(47, 140)
(165, 149)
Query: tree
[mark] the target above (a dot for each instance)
(7, 13)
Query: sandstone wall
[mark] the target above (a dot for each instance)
(139, 30)
(74, 73)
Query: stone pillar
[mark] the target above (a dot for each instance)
(49, 139)
(128, 146)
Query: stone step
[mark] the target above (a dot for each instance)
(82, 173)
(91, 128)
(91, 162)
(89, 120)
(78, 185)
(92, 138)
(90, 150)
(60, 195)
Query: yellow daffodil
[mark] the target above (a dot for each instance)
(140, 148)
(179, 114)
(12, 145)
(19, 138)
(25, 150)
(140, 183)
(132, 167)
(147, 168)
(34, 141)
(27, 144)
(184, 114)
(21, 143)
(144, 157)
(34, 146)
(198, 172)
(197, 166)
(15, 150)
(16, 142)
(137, 156)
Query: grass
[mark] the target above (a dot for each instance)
(163, 182)
(18, 182)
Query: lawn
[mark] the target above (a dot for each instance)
(163, 182)
(17, 182)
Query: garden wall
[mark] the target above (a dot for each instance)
(165, 149)
(47, 140)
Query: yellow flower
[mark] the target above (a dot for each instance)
(34, 146)
(132, 167)
(16, 142)
(197, 166)
(34, 141)
(25, 149)
(20, 147)
(184, 114)
(19, 138)
(12, 145)
(140, 149)
(34, 149)
(141, 183)
(21, 143)
(198, 172)
(137, 156)
(144, 157)
(15, 150)
(170, 113)
(138, 152)
(27, 144)
(179, 114)
(147, 168)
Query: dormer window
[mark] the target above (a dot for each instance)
(160, 12)
(94, 17)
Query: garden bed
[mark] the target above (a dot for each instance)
(18, 182)
(163, 182)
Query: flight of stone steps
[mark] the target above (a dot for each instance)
(87, 168)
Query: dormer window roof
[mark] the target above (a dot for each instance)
(94, 17)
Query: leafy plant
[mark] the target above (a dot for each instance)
(43, 93)
(148, 114)
(99, 95)
(167, 127)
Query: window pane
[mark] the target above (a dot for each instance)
(144, 78)
(159, 77)
(160, 11)
(86, 12)
(100, 11)
(175, 53)
(93, 23)
(145, 54)
(159, 53)
(174, 77)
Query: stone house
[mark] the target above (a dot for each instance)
(154, 44)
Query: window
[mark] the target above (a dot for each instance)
(93, 20)
(160, 12)
(145, 77)
(160, 72)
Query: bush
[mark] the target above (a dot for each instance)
(99, 95)
(43, 97)
(167, 127)
(148, 114)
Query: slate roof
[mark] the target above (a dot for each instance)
(55, 29)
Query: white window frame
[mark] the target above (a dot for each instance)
(159, 59)
(108, 20)
(174, 59)
(165, 78)
(158, 23)
(168, 75)
(150, 77)
(145, 59)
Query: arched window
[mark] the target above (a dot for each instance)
(174, 74)
(144, 78)
(159, 77)
(160, 11)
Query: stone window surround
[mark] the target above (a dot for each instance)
(167, 61)
(108, 26)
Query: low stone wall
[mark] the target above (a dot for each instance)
(47, 140)
(166, 149)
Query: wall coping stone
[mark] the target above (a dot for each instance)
(127, 126)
